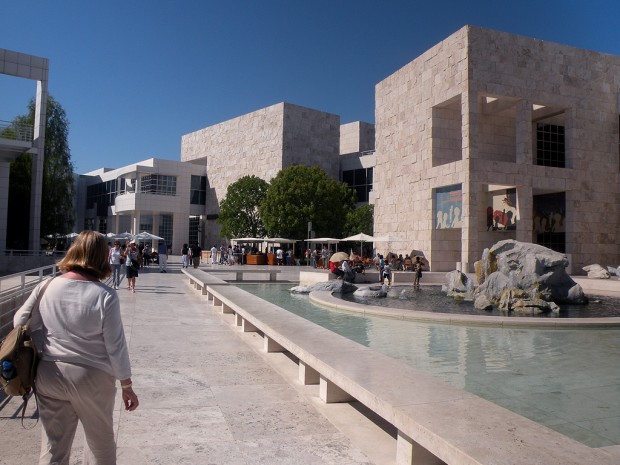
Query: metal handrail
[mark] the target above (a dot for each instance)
(15, 131)
(16, 287)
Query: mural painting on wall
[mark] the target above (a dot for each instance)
(502, 215)
(448, 207)
(549, 213)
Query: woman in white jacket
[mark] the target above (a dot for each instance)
(84, 352)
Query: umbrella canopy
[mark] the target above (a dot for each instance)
(324, 240)
(124, 235)
(247, 239)
(362, 238)
(359, 237)
(110, 235)
(147, 236)
(72, 235)
(339, 256)
(280, 240)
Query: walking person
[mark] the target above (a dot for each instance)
(84, 352)
(185, 255)
(132, 265)
(213, 255)
(115, 257)
(162, 253)
(417, 269)
(196, 255)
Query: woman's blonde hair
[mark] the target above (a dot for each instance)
(89, 252)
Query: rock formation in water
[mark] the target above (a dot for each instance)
(336, 285)
(524, 277)
(596, 271)
(458, 286)
(372, 291)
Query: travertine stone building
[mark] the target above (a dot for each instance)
(489, 136)
(261, 143)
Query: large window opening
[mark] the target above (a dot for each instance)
(158, 184)
(194, 227)
(360, 180)
(165, 228)
(549, 221)
(198, 190)
(549, 136)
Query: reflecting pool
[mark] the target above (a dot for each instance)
(568, 380)
(432, 299)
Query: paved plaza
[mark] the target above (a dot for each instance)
(210, 395)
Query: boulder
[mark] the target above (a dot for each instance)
(519, 276)
(336, 285)
(458, 286)
(612, 271)
(596, 271)
(372, 291)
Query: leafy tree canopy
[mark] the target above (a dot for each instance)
(239, 215)
(360, 220)
(299, 194)
(57, 215)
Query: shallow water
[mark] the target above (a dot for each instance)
(431, 299)
(567, 380)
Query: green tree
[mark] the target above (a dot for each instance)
(360, 220)
(299, 194)
(57, 214)
(239, 215)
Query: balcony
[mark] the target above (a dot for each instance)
(15, 140)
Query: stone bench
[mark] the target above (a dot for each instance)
(200, 279)
(435, 423)
(240, 273)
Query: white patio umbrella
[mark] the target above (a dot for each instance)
(147, 236)
(361, 237)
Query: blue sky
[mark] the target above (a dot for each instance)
(134, 76)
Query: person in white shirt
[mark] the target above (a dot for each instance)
(84, 352)
(115, 255)
(213, 255)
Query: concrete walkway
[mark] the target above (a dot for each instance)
(210, 395)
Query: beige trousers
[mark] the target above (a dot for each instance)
(69, 393)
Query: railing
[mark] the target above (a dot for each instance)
(14, 131)
(15, 289)
(32, 253)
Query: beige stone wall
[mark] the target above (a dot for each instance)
(404, 174)
(498, 85)
(357, 136)
(261, 143)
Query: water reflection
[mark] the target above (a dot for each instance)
(431, 299)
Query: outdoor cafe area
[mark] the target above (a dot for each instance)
(262, 251)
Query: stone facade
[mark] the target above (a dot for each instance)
(261, 143)
(356, 137)
(467, 119)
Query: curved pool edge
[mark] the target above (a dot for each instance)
(326, 299)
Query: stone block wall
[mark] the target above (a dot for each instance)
(261, 143)
(357, 136)
(493, 88)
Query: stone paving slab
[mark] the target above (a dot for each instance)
(223, 404)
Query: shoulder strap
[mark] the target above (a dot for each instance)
(35, 359)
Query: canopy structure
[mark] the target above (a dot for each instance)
(147, 236)
(280, 240)
(323, 240)
(361, 237)
(247, 239)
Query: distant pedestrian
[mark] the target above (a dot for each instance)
(162, 253)
(213, 255)
(115, 256)
(185, 255)
(196, 255)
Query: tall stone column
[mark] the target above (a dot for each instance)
(524, 143)
(38, 158)
(5, 169)
(470, 193)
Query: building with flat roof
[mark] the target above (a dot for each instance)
(261, 143)
(490, 136)
(16, 139)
